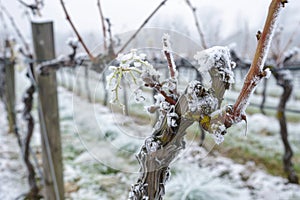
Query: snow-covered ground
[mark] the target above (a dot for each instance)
(99, 161)
(12, 171)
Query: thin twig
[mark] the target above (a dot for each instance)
(14, 25)
(201, 34)
(76, 32)
(35, 8)
(103, 24)
(143, 24)
(255, 73)
(291, 39)
(169, 57)
(111, 51)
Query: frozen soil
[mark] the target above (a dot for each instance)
(99, 149)
(12, 170)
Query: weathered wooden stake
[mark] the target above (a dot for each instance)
(10, 95)
(43, 39)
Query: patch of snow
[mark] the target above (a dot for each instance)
(72, 41)
(12, 169)
(268, 73)
(209, 58)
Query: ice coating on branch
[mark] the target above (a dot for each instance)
(137, 192)
(217, 57)
(169, 84)
(135, 70)
(166, 42)
(213, 57)
(259, 59)
(164, 106)
(159, 98)
(151, 145)
(199, 98)
(167, 50)
(172, 119)
(203, 106)
(268, 39)
(160, 103)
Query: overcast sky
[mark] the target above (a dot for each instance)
(127, 15)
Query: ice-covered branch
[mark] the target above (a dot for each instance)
(140, 71)
(92, 58)
(103, 24)
(16, 28)
(34, 7)
(200, 32)
(167, 51)
(256, 72)
(142, 25)
(72, 60)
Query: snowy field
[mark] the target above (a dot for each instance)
(99, 148)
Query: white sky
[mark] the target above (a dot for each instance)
(127, 15)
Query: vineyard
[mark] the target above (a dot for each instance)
(150, 113)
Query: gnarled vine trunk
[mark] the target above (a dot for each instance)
(264, 96)
(285, 82)
(155, 156)
(27, 116)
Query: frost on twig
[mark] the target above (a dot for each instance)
(141, 26)
(204, 102)
(71, 60)
(216, 61)
(200, 32)
(138, 72)
(92, 58)
(256, 72)
(167, 51)
(201, 100)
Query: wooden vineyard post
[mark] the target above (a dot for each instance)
(10, 96)
(43, 39)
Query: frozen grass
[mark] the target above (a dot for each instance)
(12, 170)
(192, 182)
(217, 178)
(258, 145)
(262, 144)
